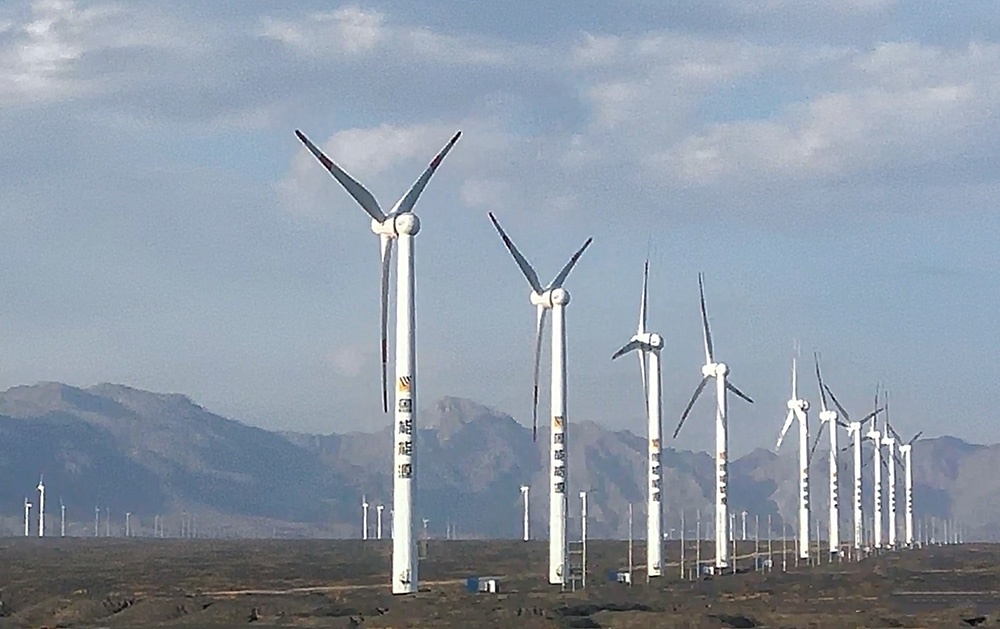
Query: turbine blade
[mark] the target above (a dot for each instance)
(836, 402)
(819, 379)
(386, 243)
(871, 416)
(697, 392)
(795, 384)
(915, 437)
(539, 330)
(529, 273)
(410, 199)
(355, 189)
(733, 389)
(709, 350)
(784, 429)
(626, 348)
(564, 273)
(819, 432)
(642, 302)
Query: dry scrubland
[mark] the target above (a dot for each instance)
(274, 583)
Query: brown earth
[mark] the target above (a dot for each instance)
(78, 582)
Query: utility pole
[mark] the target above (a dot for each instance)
(583, 538)
(682, 544)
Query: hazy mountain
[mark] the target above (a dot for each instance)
(162, 454)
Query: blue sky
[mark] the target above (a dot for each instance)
(831, 167)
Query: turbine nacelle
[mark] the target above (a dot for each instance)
(874, 435)
(650, 342)
(407, 223)
(906, 447)
(714, 370)
(798, 405)
(550, 298)
(828, 416)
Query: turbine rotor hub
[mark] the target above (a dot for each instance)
(828, 416)
(406, 223)
(656, 341)
(721, 369)
(559, 297)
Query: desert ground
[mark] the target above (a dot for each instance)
(80, 582)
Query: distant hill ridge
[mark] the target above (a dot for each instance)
(124, 449)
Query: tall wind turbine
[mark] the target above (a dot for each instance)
(378, 521)
(798, 409)
(828, 416)
(876, 438)
(399, 224)
(555, 298)
(906, 450)
(890, 443)
(854, 431)
(524, 496)
(364, 518)
(62, 518)
(41, 506)
(717, 370)
(649, 345)
(27, 517)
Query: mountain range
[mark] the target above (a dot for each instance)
(120, 449)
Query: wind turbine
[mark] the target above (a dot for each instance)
(27, 517)
(906, 450)
(62, 518)
(399, 224)
(524, 495)
(552, 297)
(649, 345)
(378, 521)
(798, 409)
(41, 506)
(890, 443)
(876, 438)
(828, 416)
(717, 370)
(364, 518)
(854, 431)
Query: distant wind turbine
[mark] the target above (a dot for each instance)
(719, 371)
(41, 506)
(798, 409)
(648, 346)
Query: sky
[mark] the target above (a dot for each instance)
(832, 168)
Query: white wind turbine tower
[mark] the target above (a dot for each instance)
(890, 443)
(552, 297)
(378, 521)
(798, 409)
(41, 506)
(828, 416)
(524, 496)
(364, 518)
(27, 517)
(399, 224)
(854, 431)
(906, 450)
(650, 344)
(712, 369)
(876, 438)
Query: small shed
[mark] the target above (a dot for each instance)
(476, 585)
(620, 576)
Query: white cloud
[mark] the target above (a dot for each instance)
(904, 104)
(350, 29)
(37, 58)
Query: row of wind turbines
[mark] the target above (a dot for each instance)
(402, 225)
